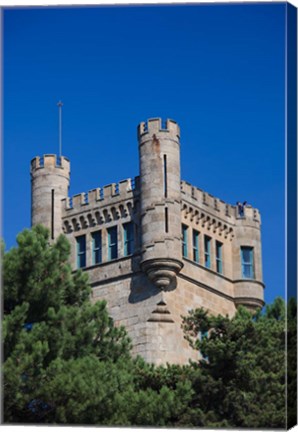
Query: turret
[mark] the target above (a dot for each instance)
(50, 177)
(247, 258)
(159, 153)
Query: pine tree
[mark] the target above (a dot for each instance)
(52, 332)
(242, 371)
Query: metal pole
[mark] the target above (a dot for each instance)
(60, 105)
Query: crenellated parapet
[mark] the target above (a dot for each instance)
(101, 205)
(200, 205)
(50, 161)
(157, 126)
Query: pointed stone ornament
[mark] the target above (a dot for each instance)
(161, 313)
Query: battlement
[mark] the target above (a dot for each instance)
(157, 125)
(122, 190)
(216, 206)
(50, 161)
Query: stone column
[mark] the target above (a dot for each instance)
(50, 178)
(159, 152)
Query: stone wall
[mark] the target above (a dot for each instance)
(153, 317)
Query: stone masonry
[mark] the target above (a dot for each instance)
(154, 246)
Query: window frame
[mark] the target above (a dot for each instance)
(201, 336)
(207, 251)
(245, 264)
(184, 229)
(96, 249)
(128, 242)
(218, 256)
(196, 246)
(114, 244)
(81, 254)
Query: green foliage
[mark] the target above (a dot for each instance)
(66, 363)
(38, 274)
(292, 362)
(49, 321)
(243, 366)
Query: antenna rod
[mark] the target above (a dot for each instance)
(60, 105)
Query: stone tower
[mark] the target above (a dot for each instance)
(49, 185)
(248, 292)
(154, 247)
(159, 153)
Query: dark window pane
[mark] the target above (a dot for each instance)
(247, 262)
(184, 241)
(112, 243)
(128, 234)
(81, 251)
(96, 247)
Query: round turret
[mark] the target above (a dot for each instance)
(159, 152)
(248, 278)
(50, 177)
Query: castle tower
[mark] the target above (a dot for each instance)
(156, 247)
(50, 177)
(159, 154)
(247, 259)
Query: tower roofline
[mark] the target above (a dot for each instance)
(50, 160)
(157, 125)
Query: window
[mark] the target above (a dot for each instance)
(81, 251)
(112, 243)
(218, 247)
(96, 247)
(195, 245)
(165, 180)
(184, 241)
(247, 262)
(207, 248)
(203, 335)
(128, 238)
(166, 220)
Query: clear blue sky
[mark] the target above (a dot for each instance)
(218, 70)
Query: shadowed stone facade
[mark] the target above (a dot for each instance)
(154, 247)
